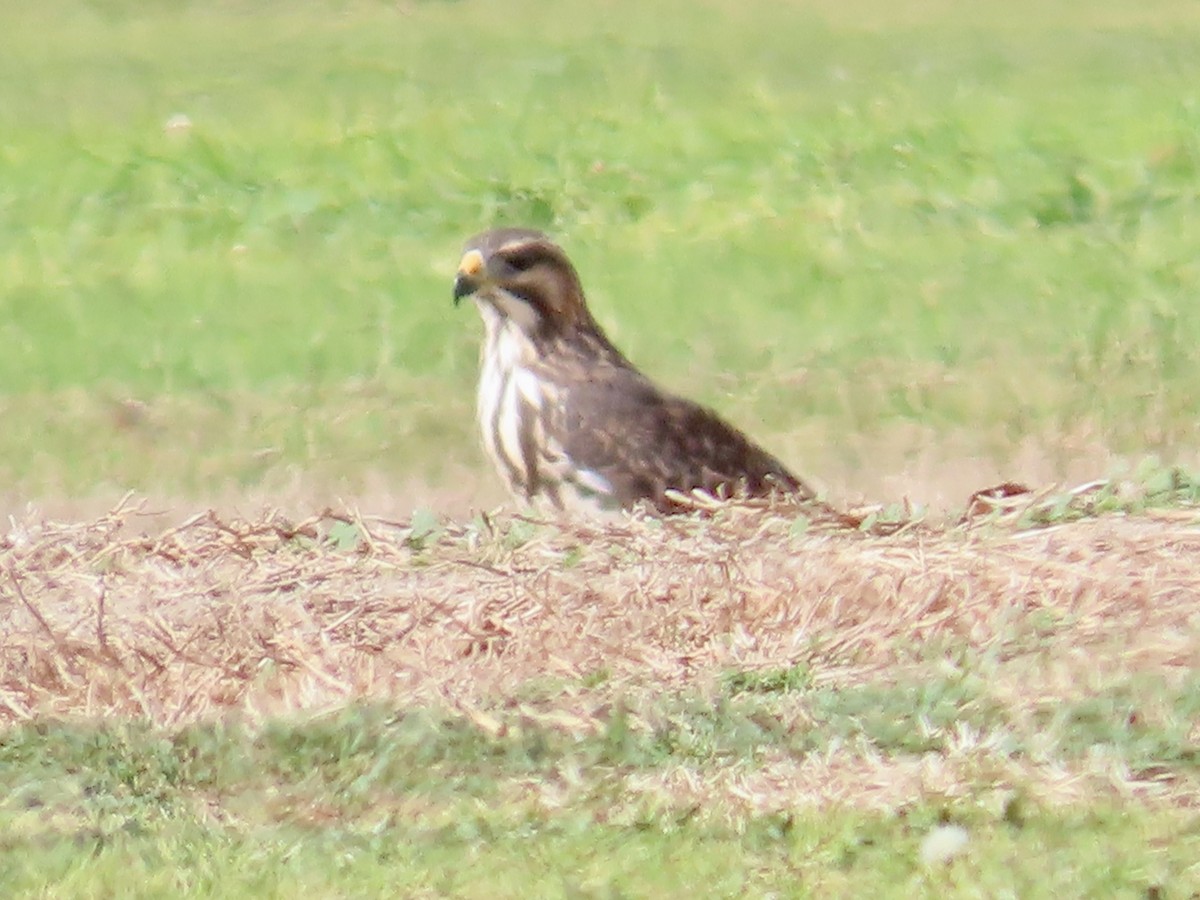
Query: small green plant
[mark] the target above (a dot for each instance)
(425, 528)
(768, 681)
(344, 536)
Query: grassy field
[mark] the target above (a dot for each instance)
(914, 249)
(895, 245)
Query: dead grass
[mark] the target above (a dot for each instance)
(268, 616)
(255, 618)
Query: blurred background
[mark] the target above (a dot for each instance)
(914, 249)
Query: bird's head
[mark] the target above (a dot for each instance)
(525, 277)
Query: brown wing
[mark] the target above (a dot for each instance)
(616, 423)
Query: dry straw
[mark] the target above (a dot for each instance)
(261, 617)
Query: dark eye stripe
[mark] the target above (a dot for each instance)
(523, 260)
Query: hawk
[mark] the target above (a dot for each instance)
(567, 420)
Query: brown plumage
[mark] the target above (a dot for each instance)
(566, 419)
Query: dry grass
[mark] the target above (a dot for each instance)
(269, 616)
(257, 618)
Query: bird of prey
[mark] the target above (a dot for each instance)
(568, 421)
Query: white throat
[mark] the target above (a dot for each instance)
(511, 405)
(505, 381)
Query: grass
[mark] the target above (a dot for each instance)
(524, 858)
(872, 236)
(374, 801)
(915, 249)
(718, 704)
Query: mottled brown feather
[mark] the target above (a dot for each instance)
(645, 442)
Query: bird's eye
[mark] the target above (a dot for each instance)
(522, 262)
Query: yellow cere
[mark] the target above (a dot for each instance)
(471, 264)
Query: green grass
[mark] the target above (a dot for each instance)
(848, 218)
(373, 801)
(1103, 853)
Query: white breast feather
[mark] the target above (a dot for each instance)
(507, 381)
